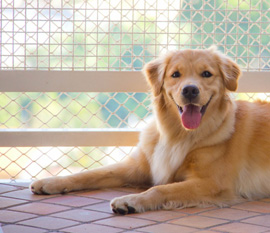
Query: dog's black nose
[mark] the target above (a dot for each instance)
(190, 92)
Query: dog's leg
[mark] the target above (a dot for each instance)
(133, 170)
(183, 194)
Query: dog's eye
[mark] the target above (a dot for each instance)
(176, 74)
(206, 74)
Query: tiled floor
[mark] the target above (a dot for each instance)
(23, 212)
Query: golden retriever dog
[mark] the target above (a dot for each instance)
(202, 147)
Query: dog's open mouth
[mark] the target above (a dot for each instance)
(191, 114)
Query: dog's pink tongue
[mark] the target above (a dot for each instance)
(191, 116)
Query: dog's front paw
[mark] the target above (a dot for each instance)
(49, 186)
(127, 204)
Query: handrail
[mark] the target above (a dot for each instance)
(68, 137)
(102, 81)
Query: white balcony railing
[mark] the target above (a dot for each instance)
(82, 81)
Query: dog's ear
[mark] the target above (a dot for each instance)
(154, 72)
(230, 72)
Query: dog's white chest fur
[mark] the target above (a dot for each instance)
(167, 159)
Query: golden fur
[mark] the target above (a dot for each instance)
(224, 159)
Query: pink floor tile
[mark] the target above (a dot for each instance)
(39, 208)
(104, 194)
(132, 231)
(160, 215)
(6, 202)
(49, 223)
(82, 215)
(20, 184)
(101, 207)
(208, 231)
(229, 214)
(263, 220)
(167, 228)
(198, 221)
(26, 194)
(255, 206)
(73, 201)
(6, 188)
(8, 216)
(21, 229)
(194, 210)
(87, 228)
(240, 228)
(125, 222)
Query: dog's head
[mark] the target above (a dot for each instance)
(193, 81)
